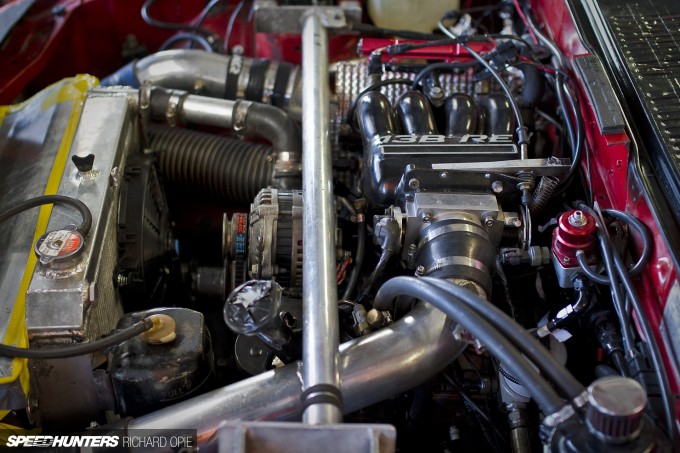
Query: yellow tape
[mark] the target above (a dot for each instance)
(69, 89)
(7, 430)
(72, 89)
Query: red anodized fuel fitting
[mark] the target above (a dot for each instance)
(575, 231)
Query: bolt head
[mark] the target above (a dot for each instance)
(517, 222)
(420, 270)
(436, 93)
(426, 216)
(497, 186)
(488, 221)
(413, 183)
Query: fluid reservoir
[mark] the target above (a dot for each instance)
(162, 367)
(413, 15)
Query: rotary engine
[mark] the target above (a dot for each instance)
(422, 218)
(445, 191)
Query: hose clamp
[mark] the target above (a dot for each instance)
(287, 165)
(290, 86)
(580, 400)
(270, 82)
(549, 426)
(456, 261)
(561, 416)
(243, 78)
(174, 109)
(240, 115)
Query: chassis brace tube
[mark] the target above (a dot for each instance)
(319, 290)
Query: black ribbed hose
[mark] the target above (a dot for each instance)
(219, 166)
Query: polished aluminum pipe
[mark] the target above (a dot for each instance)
(214, 75)
(319, 290)
(179, 69)
(207, 111)
(180, 107)
(372, 368)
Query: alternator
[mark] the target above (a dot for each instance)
(273, 249)
(275, 237)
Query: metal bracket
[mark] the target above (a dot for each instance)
(270, 17)
(552, 166)
(280, 437)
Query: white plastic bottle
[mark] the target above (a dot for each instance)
(416, 15)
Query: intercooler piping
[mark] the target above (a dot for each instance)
(176, 69)
(217, 76)
(372, 368)
(222, 167)
(244, 117)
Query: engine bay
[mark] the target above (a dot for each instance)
(330, 221)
